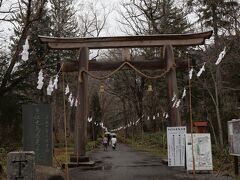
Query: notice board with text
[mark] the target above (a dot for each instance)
(176, 145)
(234, 137)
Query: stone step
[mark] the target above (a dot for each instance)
(74, 158)
(80, 164)
(165, 161)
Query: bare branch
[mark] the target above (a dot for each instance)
(27, 24)
(93, 22)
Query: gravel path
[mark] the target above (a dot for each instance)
(127, 164)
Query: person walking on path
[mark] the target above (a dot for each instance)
(109, 138)
(114, 142)
(108, 135)
(105, 142)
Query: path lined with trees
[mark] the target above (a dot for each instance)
(124, 98)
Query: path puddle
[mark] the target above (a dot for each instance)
(140, 162)
(107, 157)
(97, 167)
(107, 167)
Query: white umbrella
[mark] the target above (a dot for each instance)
(113, 134)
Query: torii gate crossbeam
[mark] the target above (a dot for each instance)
(126, 41)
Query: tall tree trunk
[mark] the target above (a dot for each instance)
(212, 127)
(217, 82)
(125, 117)
(218, 116)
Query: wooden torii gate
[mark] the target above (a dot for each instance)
(167, 41)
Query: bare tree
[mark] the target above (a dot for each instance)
(218, 15)
(92, 18)
(153, 16)
(29, 12)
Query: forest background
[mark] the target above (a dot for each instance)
(215, 94)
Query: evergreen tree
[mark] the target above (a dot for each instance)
(155, 16)
(14, 89)
(215, 14)
(218, 15)
(63, 15)
(20, 84)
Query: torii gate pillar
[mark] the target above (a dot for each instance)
(174, 116)
(80, 131)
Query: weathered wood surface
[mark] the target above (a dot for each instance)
(172, 86)
(126, 41)
(80, 138)
(72, 66)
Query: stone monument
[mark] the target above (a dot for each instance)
(21, 165)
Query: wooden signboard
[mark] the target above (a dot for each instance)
(201, 149)
(37, 132)
(176, 145)
(234, 137)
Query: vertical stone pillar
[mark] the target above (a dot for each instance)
(81, 112)
(174, 116)
(37, 132)
(21, 165)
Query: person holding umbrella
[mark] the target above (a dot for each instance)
(108, 135)
(114, 141)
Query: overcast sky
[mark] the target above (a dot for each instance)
(113, 6)
(112, 26)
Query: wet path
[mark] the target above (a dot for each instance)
(128, 164)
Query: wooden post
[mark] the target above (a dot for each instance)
(172, 85)
(236, 169)
(80, 138)
(142, 122)
(93, 132)
(126, 56)
(163, 138)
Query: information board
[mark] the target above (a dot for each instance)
(234, 137)
(37, 132)
(176, 145)
(202, 151)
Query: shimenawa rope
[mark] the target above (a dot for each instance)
(120, 67)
